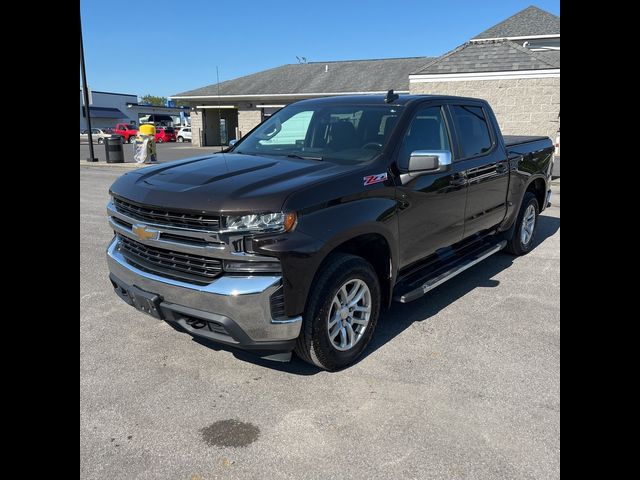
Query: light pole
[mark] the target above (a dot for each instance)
(85, 93)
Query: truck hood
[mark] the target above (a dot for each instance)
(224, 183)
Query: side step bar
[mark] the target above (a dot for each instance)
(448, 274)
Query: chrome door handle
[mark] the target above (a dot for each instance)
(458, 179)
(501, 167)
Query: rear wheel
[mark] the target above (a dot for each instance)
(159, 140)
(342, 313)
(521, 241)
(101, 141)
(131, 139)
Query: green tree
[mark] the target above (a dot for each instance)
(153, 100)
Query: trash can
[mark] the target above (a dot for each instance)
(144, 146)
(113, 150)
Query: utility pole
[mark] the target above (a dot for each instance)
(85, 93)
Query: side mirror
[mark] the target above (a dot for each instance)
(429, 161)
(232, 142)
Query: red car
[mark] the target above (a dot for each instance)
(126, 131)
(165, 134)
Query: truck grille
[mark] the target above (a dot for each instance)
(168, 218)
(168, 263)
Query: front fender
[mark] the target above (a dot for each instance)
(319, 232)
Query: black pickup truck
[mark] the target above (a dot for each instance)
(295, 238)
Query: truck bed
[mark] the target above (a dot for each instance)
(511, 140)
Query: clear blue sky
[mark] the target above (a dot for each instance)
(166, 47)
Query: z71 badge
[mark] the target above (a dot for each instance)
(371, 179)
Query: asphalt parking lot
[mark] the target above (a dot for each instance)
(461, 384)
(165, 151)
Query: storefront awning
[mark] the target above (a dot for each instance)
(104, 112)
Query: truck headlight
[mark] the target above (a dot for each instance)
(262, 222)
(233, 266)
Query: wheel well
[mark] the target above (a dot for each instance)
(537, 188)
(374, 249)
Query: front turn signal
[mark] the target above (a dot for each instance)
(290, 220)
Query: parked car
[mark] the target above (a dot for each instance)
(184, 134)
(297, 236)
(127, 131)
(97, 135)
(165, 134)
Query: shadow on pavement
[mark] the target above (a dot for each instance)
(400, 316)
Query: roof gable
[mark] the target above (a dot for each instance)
(491, 56)
(531, 21)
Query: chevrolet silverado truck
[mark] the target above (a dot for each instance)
(296, 237)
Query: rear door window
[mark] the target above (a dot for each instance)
(474, 137)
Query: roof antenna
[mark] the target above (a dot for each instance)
(391, 97)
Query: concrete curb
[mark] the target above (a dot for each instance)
(126, 166)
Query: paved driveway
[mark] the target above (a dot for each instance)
(463, 383)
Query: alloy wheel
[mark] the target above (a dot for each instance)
(349, 314)
(528, 224)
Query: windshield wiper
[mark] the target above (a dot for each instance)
(295, 155)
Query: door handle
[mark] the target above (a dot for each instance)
(458, 179)
(502, 167)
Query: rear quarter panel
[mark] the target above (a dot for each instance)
(527, 162)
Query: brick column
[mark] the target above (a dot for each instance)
(248, 117)
(196, 128)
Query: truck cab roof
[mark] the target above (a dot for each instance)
(402, 100)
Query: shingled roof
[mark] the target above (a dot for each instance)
(531, 21)
(320, 77)
(491, 56)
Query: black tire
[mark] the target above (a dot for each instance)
(131, 139)
(313, 344)
(101, 141)
(180, 139)
(160, 140)
(515, 245)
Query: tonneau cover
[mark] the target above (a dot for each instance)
(511, 140)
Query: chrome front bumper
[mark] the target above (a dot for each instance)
(240, 303)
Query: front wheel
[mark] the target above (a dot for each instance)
(101, 141)
(521, 241)
(180, 139)
(341, 314)
(159, 140)
(131, 139)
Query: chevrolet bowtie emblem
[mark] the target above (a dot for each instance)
(145, 233)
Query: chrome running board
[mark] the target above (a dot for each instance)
(460, 266)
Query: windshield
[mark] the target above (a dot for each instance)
(347, 134)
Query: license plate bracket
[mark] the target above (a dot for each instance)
(145, 302)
